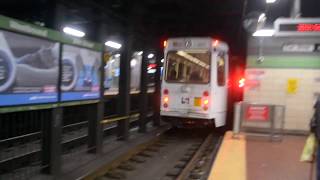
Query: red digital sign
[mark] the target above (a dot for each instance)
(300, 27)
(308, 27)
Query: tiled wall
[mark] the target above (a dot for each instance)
(269, 86)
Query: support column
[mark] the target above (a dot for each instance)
(144, 93)
(95, 128)
(95, 131)
(51, 145)
(157, 94)
(55, 15)
(124, 87)
(296, 9)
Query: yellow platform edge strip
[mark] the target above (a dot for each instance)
(230, 163)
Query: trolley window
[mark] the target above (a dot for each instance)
(221, 69)
(188, 67)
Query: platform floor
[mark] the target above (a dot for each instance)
(250, 158)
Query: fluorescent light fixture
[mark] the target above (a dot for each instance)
(264, 33)
(140, 53)
(150, 55)
(73, 32)
(193, 59)
(113, 44)
(133, 62)
(162, 60)
(151, 71)
(117, 55)
(270, 1)
(262, 17)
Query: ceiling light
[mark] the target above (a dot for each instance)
(270, 1)
(113, 44)
(150, 56)
(263, 33)
(162, 60)
(262, 17)
(140, 53)
(73, 32)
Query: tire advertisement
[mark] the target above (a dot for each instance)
(29, 69)
(80, 73)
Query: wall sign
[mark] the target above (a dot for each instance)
(257, 113)
(292, 86)
(253, 79)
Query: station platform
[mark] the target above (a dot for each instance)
(249, 158)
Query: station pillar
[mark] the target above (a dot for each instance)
(95, 128)
(144, 93)
(157, 94)
(95, 132)
(124, 87)
(51, 145)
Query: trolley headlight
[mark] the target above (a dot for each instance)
(166, 99)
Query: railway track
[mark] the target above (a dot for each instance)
(176, 154)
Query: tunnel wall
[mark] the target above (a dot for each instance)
(288, 74)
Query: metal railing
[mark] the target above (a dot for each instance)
(259, 119)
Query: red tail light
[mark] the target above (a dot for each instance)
(165, 91)
(164, 44)
(206, 93)
(242, 82)
(215, 43)
(165, 105)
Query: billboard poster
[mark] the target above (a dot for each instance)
(152, 69)
(29, 69)
(135, 72)
(112, 75)
(80, 73)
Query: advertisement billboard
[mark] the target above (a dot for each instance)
(80, 78)
(112, 75)
(29, 69)
(135, 72)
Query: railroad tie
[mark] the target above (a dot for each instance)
(174, 172)
(137, 159)
(113, 174)
(126, 166)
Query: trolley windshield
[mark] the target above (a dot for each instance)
(188, 67)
